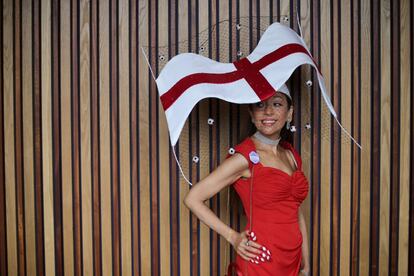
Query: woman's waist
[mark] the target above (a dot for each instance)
(273, 216)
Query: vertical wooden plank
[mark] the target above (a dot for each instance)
(405, 147)
(164, 152)
(284, 9)
(395, 134)
(18, 137)
(315, 189)
(411, 214)
(95, 139)
(314, 230)
(335, 87)
(355, 152)
(27, 86)
(385, 111)
(346, 143)
(38, 143)
(56, 136)
(3, 209)
(9, 125)
(134, 132)
(105, 136)
(66, 138)
(305, 93)
(75, 112)
(18, 131)
(114, 130)
(375, 141)
(153, 138)
(365, 192)
(85, 136)
(365, 197)
(145, 257)
(47, 173)
(325, 222)
(124, 140)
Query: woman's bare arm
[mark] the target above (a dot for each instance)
(226, 174)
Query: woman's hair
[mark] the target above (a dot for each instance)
(285, 134)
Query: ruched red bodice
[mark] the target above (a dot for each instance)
(276, 197)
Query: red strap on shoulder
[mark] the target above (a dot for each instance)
(245, 148)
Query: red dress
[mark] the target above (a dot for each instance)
(276, 197)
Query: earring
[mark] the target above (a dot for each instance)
(288, 125)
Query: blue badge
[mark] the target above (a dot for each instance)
(254, 157)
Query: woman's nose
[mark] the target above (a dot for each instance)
(268, 109)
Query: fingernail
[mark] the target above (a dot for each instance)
(263, 254)
(268, 252)
(251, 261)
(256, 262)
(257, 257)
(252, 234)
(264, 248)
(268, 258)
(254, 238)
(262, 259)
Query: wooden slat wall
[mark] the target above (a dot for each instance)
(89, 183)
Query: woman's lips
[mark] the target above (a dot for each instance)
(268, 122)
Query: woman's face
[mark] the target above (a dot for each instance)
(270, 116)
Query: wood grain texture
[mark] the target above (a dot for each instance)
(9, 140)
(366, 134)
(3, 211)
(104, 135)
(47, 148)
(384, 136)
(27, 92)
(66, 137)
(89, 182)
(406, 87)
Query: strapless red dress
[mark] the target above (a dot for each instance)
(276, 197)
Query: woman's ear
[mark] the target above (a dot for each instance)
(290, 113)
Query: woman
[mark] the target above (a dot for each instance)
(266, 173)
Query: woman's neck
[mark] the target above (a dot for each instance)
(266, 140)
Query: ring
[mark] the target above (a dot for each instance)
(248, 243)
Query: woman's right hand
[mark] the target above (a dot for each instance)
(248, 249)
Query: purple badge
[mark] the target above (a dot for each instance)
(254, 157)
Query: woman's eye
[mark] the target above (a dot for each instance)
(259, 105)
(277, 104)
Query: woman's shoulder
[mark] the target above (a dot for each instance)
(288, 146)
(245, 148)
